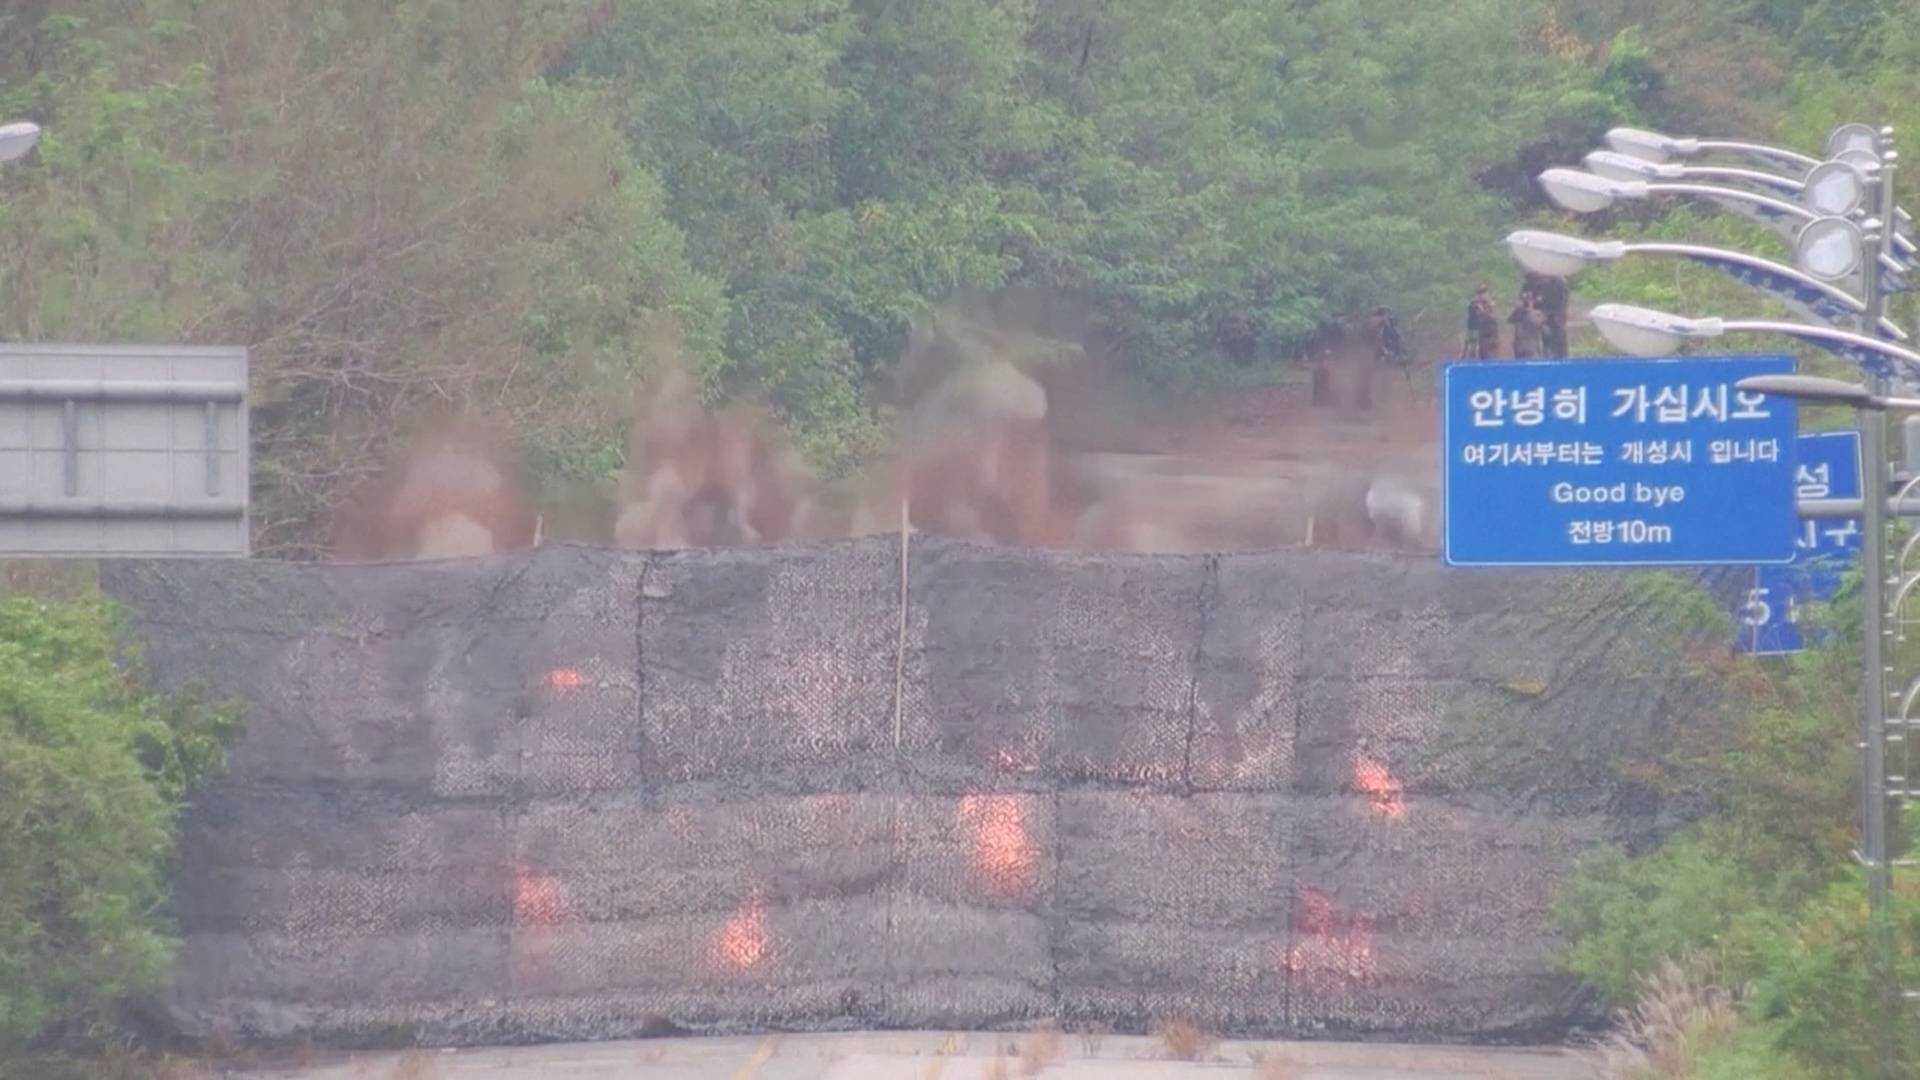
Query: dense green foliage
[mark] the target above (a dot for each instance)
(515, 205)
(414, 207)
(1764, 889)
(383, 200)
(92, 773)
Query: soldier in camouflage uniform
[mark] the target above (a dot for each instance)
(1390, 349)
(1528, 327)
(1483, 327)
(1550, 298)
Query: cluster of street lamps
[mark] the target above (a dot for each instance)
(1852, 247)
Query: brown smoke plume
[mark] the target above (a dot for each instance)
(981, 466)
(696, 478)
(454, 493)
(980, 454)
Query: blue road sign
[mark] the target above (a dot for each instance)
(1827, 465)
(1617, 463)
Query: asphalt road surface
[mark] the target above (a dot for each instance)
(946, 1056)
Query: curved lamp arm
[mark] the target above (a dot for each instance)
(1871, 354)
(1783, 217)
(1906, 700)
(1617, 166)
(1557, 255)
(1764, 208)
(1786, 185)
(1906, 550)
(1660, 146)
(1773, 155)
(1807, 294)
(1656, 147)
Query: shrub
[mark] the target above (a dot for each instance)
(1185, 1040)
(1680, 1014)
(93, 771)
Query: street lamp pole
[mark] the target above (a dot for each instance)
(1873, 577)
(1873, 554)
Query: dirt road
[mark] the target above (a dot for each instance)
(948, 1056)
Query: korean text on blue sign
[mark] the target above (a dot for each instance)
(1827, 466)
(1617, 463)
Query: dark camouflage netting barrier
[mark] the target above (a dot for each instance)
(579, 793)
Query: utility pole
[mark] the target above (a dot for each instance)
(1873, 567)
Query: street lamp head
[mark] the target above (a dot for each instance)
(1829, 248)
(1642, 331)
(1864, 160)
(1834, 187)
(1853, 137)
(1650, 145)
(1814, 388)
(1585, 193)
(1557, 255)
(1655, 333)
(1618, 166)
(17, 139)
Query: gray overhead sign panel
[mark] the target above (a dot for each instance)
(123, 450)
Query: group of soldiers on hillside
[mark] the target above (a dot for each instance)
(1390, 350)
(1539, 321)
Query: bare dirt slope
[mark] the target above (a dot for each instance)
(1268, 468)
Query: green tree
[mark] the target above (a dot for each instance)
(385, 201)
(509, 205)
(93, 770)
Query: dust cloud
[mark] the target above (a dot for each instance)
(456, 492)
(1004, 437)
(697, 478)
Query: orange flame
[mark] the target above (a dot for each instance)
(741, 942)
(1330, 948)
(1001, 851)
(1380, 785)
(536, 898)
(564, 680)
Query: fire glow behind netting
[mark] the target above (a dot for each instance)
(577, 793)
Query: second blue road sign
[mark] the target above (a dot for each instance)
(1827, 466)
(1617, 463)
